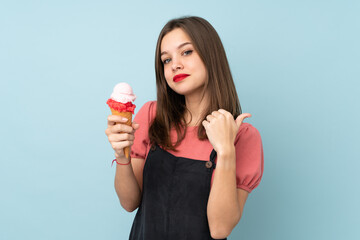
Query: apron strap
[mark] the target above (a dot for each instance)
(212, 158)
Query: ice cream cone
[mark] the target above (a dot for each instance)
(127, 115)
(120, 103)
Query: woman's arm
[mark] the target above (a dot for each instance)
(128, 178)
(128, 183)
(226, 202)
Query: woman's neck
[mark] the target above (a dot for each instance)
(196, 105)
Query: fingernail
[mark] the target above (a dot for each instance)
(124, 119)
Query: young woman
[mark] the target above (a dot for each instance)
(193, 160)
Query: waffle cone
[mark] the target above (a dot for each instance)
(127, 115)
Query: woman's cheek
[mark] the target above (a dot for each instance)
(167, 75)
(169, 81)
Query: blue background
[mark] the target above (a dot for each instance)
(296, 65)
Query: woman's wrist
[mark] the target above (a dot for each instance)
(122, 161)
(226, 152)
(226, 159)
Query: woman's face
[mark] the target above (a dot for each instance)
(184, 71)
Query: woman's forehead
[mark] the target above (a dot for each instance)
(174, 39)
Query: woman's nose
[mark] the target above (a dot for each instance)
(176, 65)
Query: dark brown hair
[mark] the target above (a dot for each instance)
(171, 107)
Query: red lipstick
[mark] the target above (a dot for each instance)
(180, 77)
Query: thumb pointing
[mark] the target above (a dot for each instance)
(241, 118)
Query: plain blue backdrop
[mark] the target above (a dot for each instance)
(296, 65)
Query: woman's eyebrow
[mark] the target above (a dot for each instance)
(180, 46)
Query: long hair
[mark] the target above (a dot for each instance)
(171, 107)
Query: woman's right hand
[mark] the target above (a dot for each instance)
(120, 136)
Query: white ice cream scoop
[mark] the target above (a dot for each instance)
(123, 93)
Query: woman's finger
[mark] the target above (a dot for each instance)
(121, 128)
(210, 117)
(113, 119)
(120, 137)
(215, 113)
(117, 146)
(225, 113)
(205, 124)
(135, 125)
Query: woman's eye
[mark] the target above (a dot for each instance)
(165, 61)
(188, 52)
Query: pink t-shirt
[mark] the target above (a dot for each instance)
(248, 145)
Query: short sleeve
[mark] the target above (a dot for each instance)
(249, 157)
(144, 117)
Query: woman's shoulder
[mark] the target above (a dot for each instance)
(249, 157)
(247, 126)
(148, 110)
(247, 131)
(148, 106)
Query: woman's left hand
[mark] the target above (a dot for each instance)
(221, 129)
